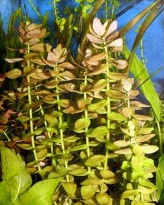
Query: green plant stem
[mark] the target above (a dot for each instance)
(61, 132)
(35, 9)
(31, 114)
(142, 53)
(113, 10)
(108, 106)
(55, 11)
(159, 137)
(8, 139)
(46, 125)
(86, 129)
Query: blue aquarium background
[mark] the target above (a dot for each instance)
(153, 41)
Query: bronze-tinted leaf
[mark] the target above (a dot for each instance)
(41, 47)
(142, 117)
(116, 43)
(115, 94)
(116, 76)
(94, 39)
(122, 143)
(13, 74)
(66, 65)
(83, 103)
(149, 149)
(127, 112)
(101, 69)
(124, 151)
(64, 103)
(99, 85)
(13, 60)
(30, 56)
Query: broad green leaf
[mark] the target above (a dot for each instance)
(161, 166)
(140, 72)
(40, 193)
(5, 197)
(10, 164)
(159, 183)
(13, 74)
(19, 184)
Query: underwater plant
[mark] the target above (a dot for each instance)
(75, 119)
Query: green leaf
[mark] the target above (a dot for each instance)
(97, 105)
(70, 188)
(40, 193)
(79, 147)
(13, 74)
(116, 116)
(87, 191)
(137, 163)
(80, 124)
(140, 72)
(161, 166)
(92, 181)
(99, 131)
(129, 193)
(5, 198)
(95, 160)
(146, 187)
(10, 164)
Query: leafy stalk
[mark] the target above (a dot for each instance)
(31, 113)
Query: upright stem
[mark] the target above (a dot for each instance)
(31, 113)
(48, 133)
(108, 106)
(86, 129)
(61, 132)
